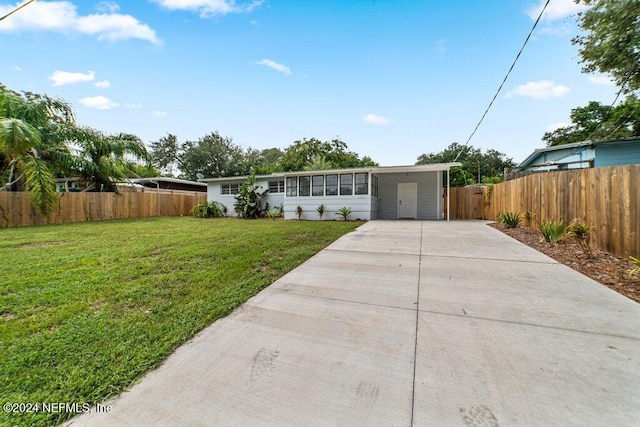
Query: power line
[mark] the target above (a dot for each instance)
(16, 9)
(535, 24)
(606, 118)
(624, 83)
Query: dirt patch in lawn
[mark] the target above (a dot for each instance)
(603, 267)
(39, 245)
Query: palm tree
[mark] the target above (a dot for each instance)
(104, 160)
(30, 143)
(318, 163)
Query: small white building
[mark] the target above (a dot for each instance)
(396, 192)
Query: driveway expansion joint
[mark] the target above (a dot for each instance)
(369, 304)
(535, 325)
(552, 262)
(415, 348)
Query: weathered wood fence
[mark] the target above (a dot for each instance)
(16, 209)
(606, 198)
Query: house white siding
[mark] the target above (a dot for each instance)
(299, 194)
(429, 197)
(360, 206)
(215, 194)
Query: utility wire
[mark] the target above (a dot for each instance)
(610, 109)
(577, 149)
(16, 9)
(535, 24)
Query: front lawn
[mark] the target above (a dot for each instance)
(85, 309)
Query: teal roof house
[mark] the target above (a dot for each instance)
(586, 154)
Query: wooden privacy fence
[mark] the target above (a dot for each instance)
(16, 209)
(606, 198)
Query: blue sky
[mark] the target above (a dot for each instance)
(392, 78)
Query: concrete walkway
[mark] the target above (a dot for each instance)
(407, 323)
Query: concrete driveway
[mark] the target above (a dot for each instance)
(407, 323)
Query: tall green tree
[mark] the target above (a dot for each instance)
(597, 122)
(302, 153)
(264, 162)
(104, 160)
(611, 40)
(31, 144)
(476, 166)
(217, 156)
(213, 156)
(164, 155)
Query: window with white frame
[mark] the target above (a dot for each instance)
(317, 185)
(304, 186)
(346, 184)
(362, 183)
(276, 186)
(292, 186)
(229, 189)
(331, 185)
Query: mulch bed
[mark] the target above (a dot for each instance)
(603, 267)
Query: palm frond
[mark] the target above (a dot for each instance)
(41, 183)
(17, 137)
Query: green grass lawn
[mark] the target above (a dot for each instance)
(85, 309)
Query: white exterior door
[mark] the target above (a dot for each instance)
(408, 200)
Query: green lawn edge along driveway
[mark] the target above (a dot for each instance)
(86, 309)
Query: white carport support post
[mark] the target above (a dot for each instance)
(448, 196)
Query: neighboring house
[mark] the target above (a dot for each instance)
(372, 193)
(74, 184)
(159, 183)
(163, 183)
(585, 154)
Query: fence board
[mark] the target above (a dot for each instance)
(606, 198)
(16, 209)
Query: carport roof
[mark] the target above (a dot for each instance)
(375, 169)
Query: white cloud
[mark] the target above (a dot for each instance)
(133, 106)
(107, 7)
(114, 27)
(601, 80)
(17, 68)
(557, 9)
(98, 102)
(160, 113)
(540, 90)
(103, 84)
(61, 78)
(62, 17)
(375, 119)
(554, 126)
(276, 66)
(209, 7)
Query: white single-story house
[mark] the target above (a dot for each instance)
(395, 192)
